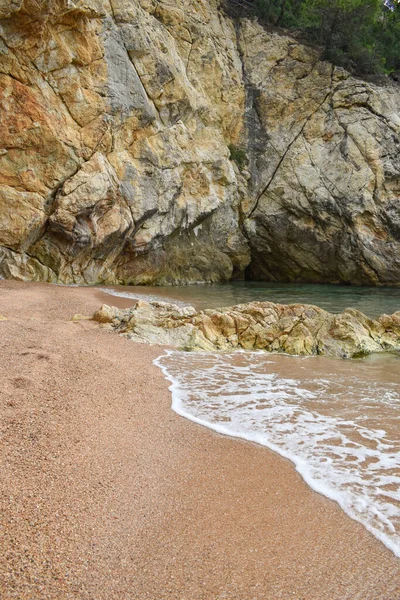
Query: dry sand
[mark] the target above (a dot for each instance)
(107, 494)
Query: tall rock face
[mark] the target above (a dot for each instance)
(325, 160)
(116, 118)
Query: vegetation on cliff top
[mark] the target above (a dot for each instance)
(361, 35)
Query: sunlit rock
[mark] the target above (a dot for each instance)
(293, 329)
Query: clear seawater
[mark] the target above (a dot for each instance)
(337, 420)
(370, 300)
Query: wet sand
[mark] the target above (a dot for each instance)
(107, 494)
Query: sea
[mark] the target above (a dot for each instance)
(337, 420)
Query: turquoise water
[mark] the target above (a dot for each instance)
(370, 300)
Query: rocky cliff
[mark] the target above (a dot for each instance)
(116, 119)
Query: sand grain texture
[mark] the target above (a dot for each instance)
(107, 494)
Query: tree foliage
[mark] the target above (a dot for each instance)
(344, 28)
(387, 34)
(282, 13)
(361, 35)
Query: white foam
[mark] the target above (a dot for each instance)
(71, 285)
(144, 297)
(331, 431)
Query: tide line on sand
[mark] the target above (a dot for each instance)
(211, 387)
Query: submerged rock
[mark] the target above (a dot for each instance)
(294, 329)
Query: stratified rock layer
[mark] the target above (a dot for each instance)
(116, 117)
(294, 329)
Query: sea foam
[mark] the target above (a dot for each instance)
(337, 421)
(142, 296)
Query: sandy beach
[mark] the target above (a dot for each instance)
(107, 494)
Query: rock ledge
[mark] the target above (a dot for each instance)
(297, 329)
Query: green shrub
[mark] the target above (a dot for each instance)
(361, 35)
(238, 155)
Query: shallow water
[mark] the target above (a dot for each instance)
(371, 301)
(338, 421)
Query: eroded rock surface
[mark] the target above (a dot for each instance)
(115, 122)
(116, 117)
(294, 329)
(325, 162)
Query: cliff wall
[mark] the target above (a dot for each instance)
(115, 122)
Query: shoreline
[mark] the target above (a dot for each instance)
(108, 494)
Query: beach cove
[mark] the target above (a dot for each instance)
(106, 493)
